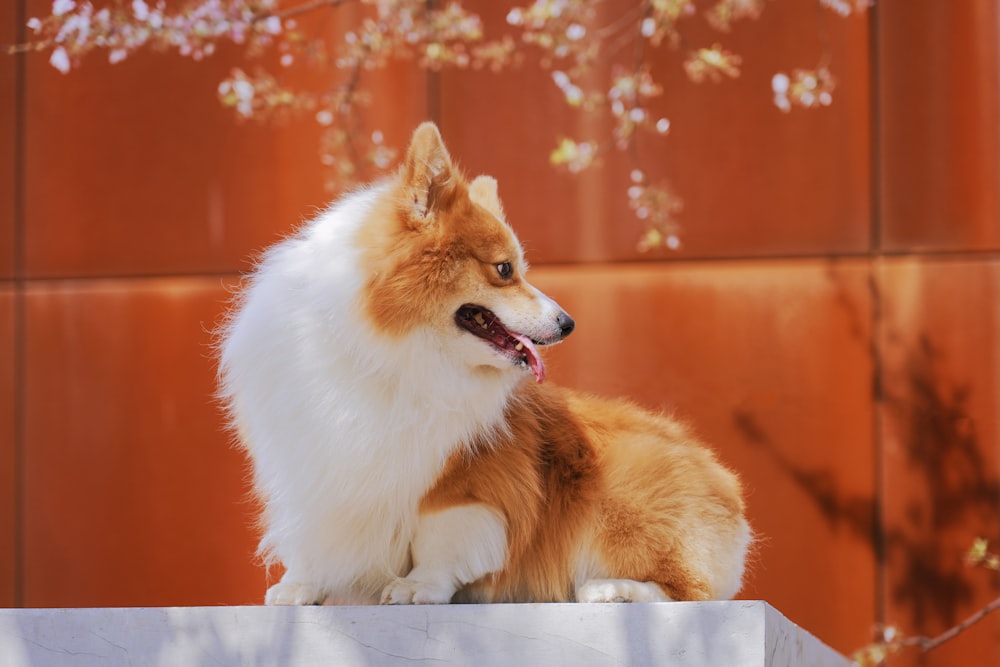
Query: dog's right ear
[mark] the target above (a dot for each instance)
(483, 191)
(429, 178)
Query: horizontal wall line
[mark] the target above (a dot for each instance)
(930, 255)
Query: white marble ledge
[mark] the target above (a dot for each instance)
(686, 634)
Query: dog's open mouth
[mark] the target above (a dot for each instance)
(517, 347)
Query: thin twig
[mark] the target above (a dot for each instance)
(928, 643)
(292, 12)
(628, 17)
(638, 58)
(826, 50)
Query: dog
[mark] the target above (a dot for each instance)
(381, 369)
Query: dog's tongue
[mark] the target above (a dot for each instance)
(535, 361)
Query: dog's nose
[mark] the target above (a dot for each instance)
(566, 323)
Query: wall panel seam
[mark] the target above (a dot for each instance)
(875, 252)
(19, 232)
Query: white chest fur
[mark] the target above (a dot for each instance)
(347, 427)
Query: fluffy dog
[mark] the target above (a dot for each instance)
(382, 371)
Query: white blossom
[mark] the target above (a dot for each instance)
(60, 7)
(140, 9)
(779, 83)
(243, 89)
(77, 23)
(839, 6)
(574, 95)
(272, 25)
(60, 59)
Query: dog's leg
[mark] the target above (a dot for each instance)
(620, 590)
(452, 548)
(291, 592)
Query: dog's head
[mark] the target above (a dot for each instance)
(443, 257)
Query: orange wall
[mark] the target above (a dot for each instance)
(832, 323)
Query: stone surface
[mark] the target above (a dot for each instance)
(690, 634)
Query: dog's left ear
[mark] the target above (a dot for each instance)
(429, 177)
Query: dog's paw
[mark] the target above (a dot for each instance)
(409, 591)
(293, 593)
(620, 590)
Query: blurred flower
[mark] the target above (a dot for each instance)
(628, 99)
(725, 12)
(574, 156)
(324, 117)
(573, 93)
(60, 7)
(662, 20)
(846, 7)
(140, 10)
(586, 51)
(657, 208)
(260, 96)
(59, 59)
(804, 88)
(979, 555)
(714, 63)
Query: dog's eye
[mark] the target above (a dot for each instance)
(505, 270)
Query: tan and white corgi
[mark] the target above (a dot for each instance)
(382, 371)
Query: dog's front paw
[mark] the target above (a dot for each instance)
(293, 593)
(410, 591)
(620, 590)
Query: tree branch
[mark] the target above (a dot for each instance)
(298, 10)
(928, 643)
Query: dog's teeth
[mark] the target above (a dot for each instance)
(519, 347)
(478, 317)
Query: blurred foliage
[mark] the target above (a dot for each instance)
(574, 39)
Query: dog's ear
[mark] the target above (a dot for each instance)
(483, 191)
(429, 179)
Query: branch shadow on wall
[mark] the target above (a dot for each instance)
(950, 495)
(956, 495)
